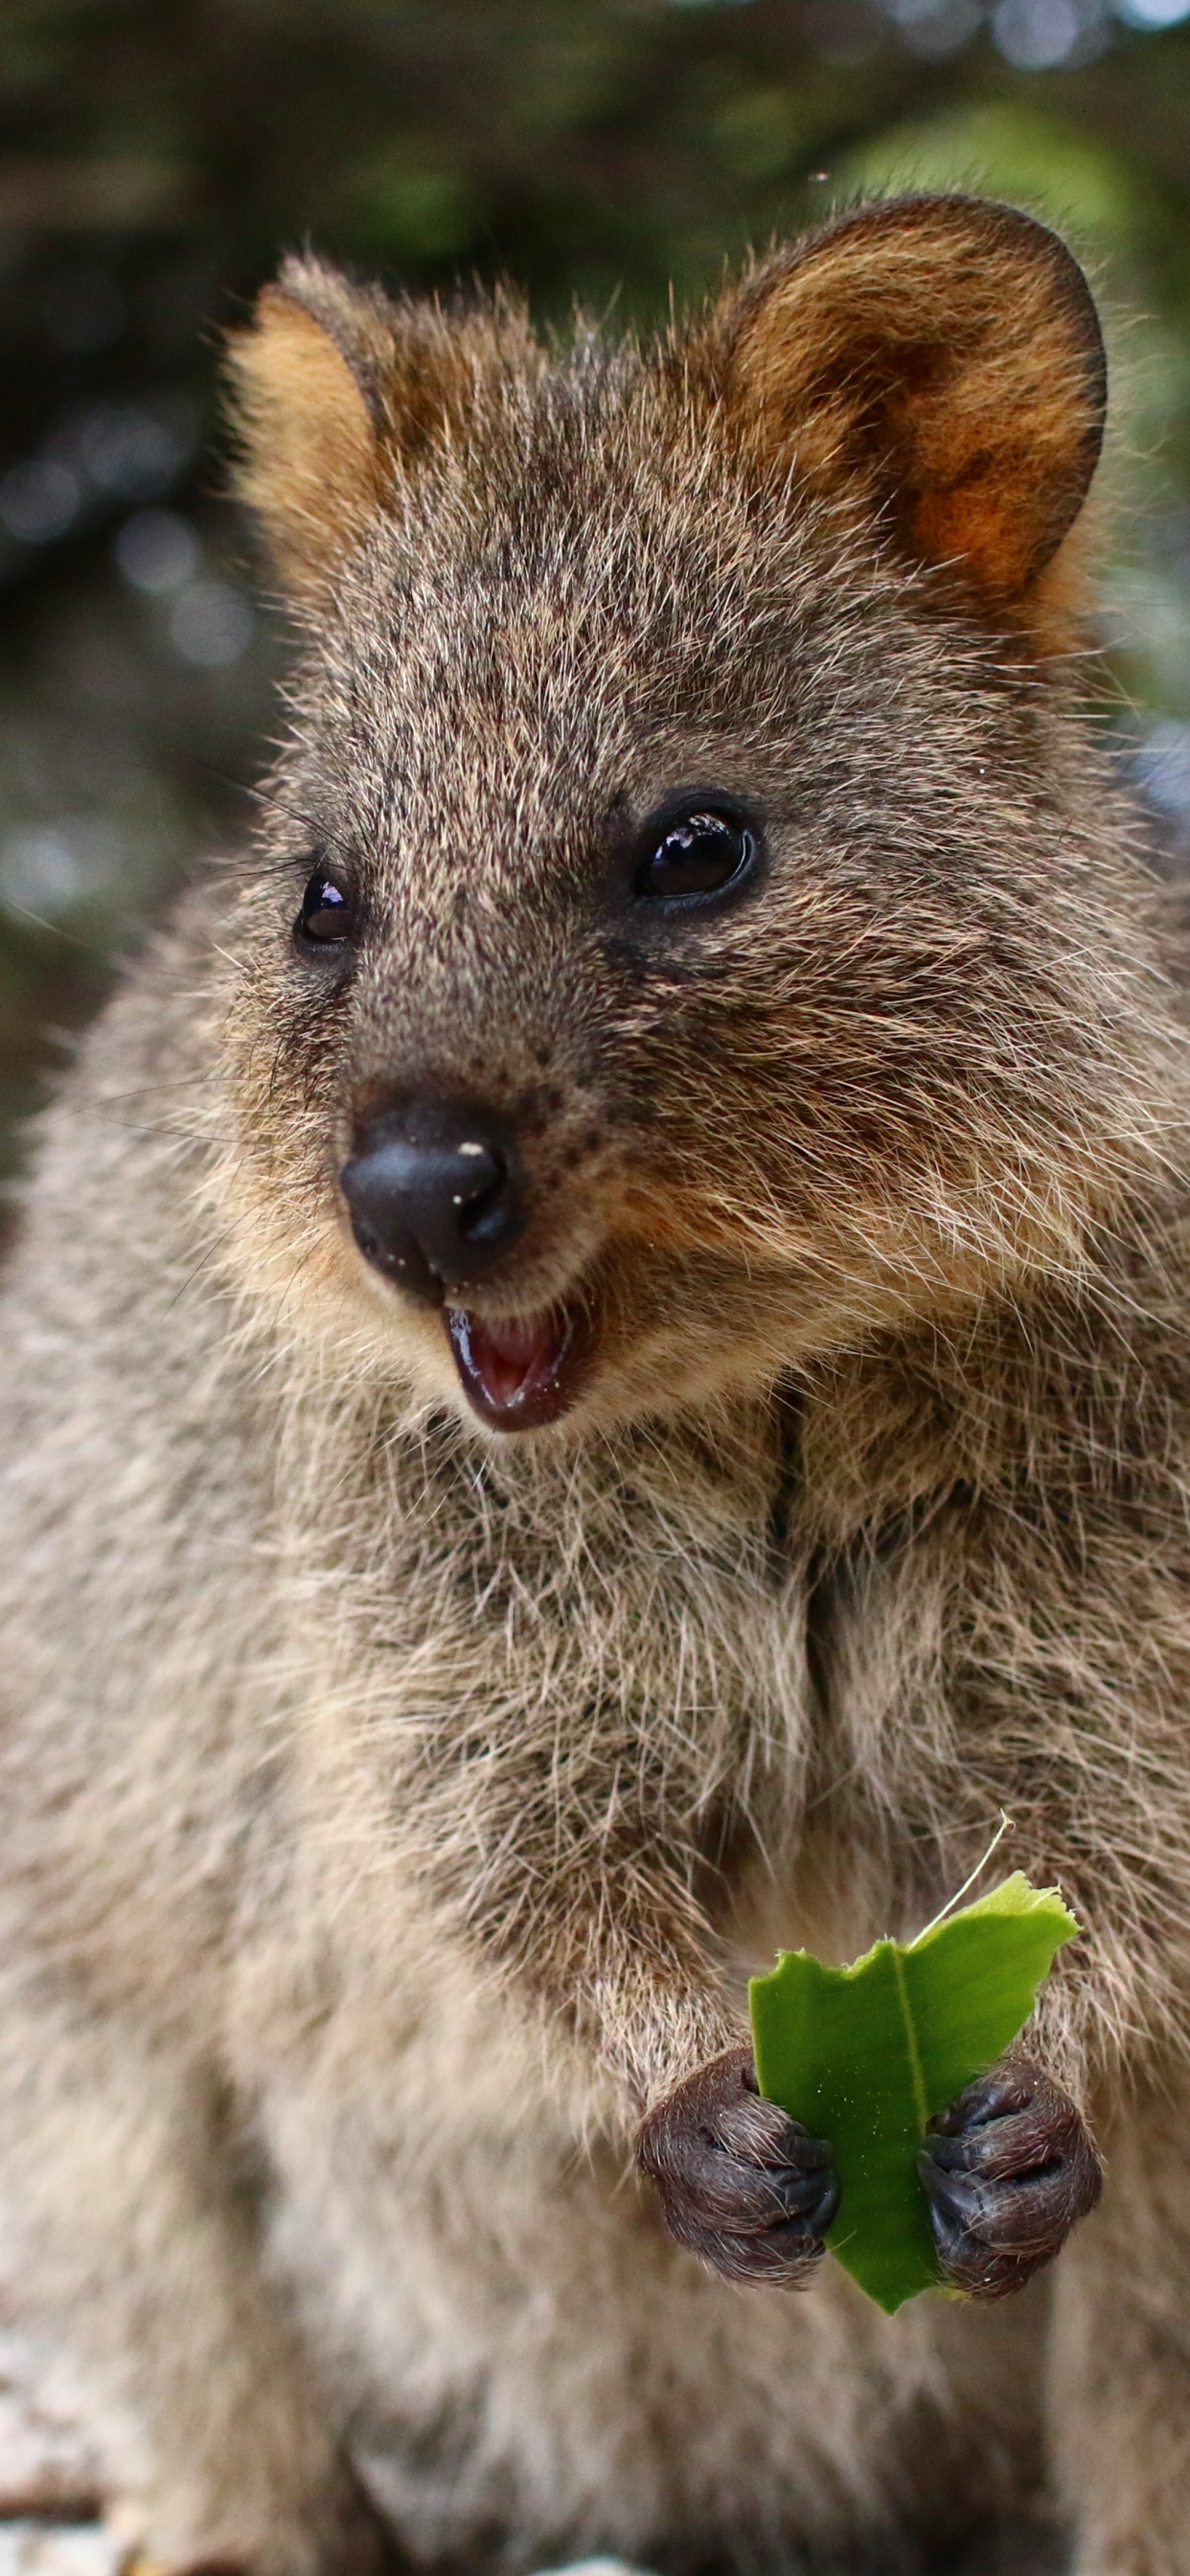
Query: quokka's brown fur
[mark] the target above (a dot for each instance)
(393, 1808)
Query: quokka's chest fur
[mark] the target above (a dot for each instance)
(553, 1665)
(620, 1636)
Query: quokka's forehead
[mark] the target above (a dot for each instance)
(574, 525)
(540, 670)
(611, 603)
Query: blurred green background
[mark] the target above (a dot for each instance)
(155, 157)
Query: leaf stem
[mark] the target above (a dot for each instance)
(1004, 1827)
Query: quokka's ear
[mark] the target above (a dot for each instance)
(306, 377)
(337, 391)
(939, 358)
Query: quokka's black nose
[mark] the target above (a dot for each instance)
(436, 1193)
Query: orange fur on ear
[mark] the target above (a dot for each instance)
(939, 357)
(339, 392)
(309, 449)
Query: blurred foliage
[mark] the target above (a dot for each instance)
(155, 157)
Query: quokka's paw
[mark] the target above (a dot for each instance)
(739, 2182)
(1007, 2170)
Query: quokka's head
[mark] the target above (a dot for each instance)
(680, 945)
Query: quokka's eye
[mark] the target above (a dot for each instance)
(699, 852)
(327, 916)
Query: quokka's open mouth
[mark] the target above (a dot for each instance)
(520, 1372)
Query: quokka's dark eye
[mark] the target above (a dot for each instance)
(698, 852)
(327, 916)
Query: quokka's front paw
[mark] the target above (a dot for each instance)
(739, 2182)
(1007, 2170)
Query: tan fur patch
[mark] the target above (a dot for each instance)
(339, 393)
(309, 464)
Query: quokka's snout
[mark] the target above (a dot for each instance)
(436, 1191)
(438, 1198)
(442, 1190)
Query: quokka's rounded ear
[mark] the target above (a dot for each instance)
(306, 379)
(338, 392)
(940, 359)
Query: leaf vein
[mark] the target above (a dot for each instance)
(915, 2064)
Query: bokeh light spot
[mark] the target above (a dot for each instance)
(1036, 34)
(210, 624)
(38, 500)
(1152, 13)
(157, 550)
(46, 869)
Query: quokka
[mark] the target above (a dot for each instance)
(596, 1376)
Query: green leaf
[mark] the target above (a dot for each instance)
(866, 2056)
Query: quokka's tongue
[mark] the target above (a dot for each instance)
(519, 1372)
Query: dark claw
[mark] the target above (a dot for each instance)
(956, 2194)
(740, 2184)
(1008, 2169)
